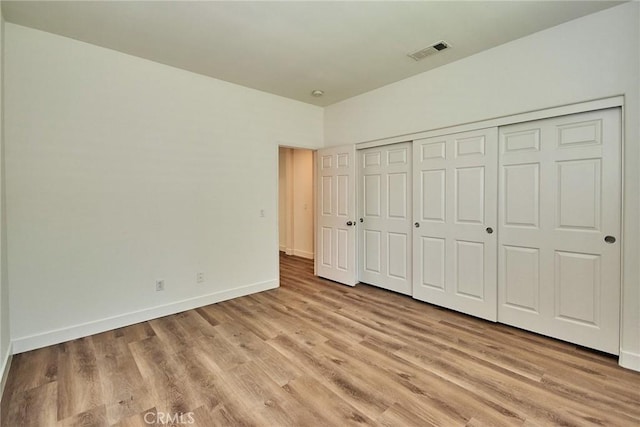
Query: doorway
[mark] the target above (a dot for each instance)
(296, 207)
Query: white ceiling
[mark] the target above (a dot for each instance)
(291, 48)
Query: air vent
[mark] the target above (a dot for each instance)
(428, 51)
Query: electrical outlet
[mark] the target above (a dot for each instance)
(159, 285)
(200, 277)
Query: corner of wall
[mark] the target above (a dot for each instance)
(5, 367)
(323, 143)
(6, 346)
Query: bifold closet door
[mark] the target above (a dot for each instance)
(559, 247)
(384, 230)
(455, 214)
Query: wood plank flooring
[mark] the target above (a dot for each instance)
(316, 353)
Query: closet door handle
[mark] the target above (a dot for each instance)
(610, 239)
(417, 225)
(489, 230)
(349, 223)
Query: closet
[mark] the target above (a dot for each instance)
(518, 223)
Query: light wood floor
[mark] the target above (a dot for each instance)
(315, 353)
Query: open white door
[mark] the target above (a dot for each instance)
(336, 225)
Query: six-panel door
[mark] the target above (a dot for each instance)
(559, 253)
(454, 210)
(384, 231)
(336, 230)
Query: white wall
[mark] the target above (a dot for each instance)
(303, 203)
(121, 171)
(5, 337)
(589, 58)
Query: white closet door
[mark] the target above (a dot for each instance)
(560, 200)
(455, 203)
(336, 230)
(385, 217)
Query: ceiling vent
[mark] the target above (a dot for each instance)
(428, 51)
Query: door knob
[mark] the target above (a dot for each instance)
(349, 223)
(361, 219)
(489, 230)
(610, 239)
(417, 224)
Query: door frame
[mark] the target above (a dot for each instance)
(288, 204)
(528, 116)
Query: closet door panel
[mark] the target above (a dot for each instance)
(560, 206)
(455, 202)
(384, 227)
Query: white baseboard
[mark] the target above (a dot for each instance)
(303, 254)
(4, 368)
(629, 360)
(57, 336)
(288, 251)
(283, 248)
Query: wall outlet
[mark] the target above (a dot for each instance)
(200, 277)
(159, 285)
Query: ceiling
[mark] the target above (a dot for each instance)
(291, 48)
